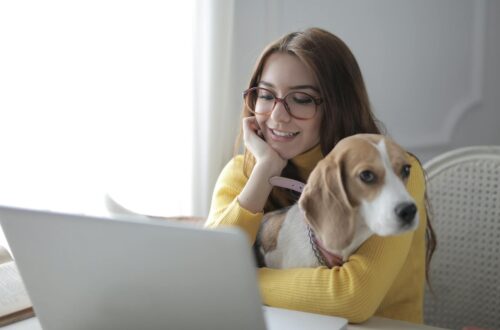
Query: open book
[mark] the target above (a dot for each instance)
(15, 304)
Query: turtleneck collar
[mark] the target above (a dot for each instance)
(306, 161)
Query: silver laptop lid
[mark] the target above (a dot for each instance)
(97, 273)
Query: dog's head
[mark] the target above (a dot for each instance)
(362, 179)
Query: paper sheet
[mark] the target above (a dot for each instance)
(4, 255)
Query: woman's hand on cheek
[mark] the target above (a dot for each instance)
(260, 149)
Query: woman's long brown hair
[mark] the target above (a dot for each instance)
(345, 111)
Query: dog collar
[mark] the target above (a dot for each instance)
(287, 183)
(330, 258)
(324, 257)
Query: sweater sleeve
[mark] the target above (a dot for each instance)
(225, 209)
(356, 289)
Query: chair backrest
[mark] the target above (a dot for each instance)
(464, 194)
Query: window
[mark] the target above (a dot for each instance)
(96, 97)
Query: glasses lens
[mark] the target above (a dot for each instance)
(301, 105)
(260, 100)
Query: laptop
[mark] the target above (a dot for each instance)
(85, 272)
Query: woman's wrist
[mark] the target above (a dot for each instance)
(269, 167)
(254, 195)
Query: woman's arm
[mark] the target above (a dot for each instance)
(238, 200)
(225, 209)
(268, 163)
(354, 291)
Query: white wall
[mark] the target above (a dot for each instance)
(432, 68)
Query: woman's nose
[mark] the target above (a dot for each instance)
(280, 113)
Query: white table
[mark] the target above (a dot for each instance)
(372, 324)
(375, 323)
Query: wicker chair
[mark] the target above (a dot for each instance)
(464, 194)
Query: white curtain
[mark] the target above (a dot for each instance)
(216, 118)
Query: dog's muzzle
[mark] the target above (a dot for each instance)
(406, 212)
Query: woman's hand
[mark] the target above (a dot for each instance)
(265, 156)
(254, 195)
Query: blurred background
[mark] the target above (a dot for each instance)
(141, 100)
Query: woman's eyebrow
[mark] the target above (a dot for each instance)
(267, 84)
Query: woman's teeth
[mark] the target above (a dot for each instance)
(284, 134)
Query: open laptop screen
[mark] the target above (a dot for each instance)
(96, 273)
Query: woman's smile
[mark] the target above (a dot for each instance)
(284, 136)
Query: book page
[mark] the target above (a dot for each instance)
(13, 295)
(4, 255)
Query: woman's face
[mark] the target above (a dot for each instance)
(284, 73)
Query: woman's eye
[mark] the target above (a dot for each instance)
(405, 171)
(266, 96)
(367, 176)
(302, 99)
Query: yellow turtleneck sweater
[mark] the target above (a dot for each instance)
(384, 277)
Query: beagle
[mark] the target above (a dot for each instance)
(357, 190)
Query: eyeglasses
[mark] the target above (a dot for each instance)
(299, 105)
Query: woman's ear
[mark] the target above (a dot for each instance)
(326, 206)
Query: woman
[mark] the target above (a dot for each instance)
(306, 93)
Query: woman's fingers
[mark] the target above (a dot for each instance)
(250, 134)
(259, 148)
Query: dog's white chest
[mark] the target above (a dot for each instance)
(293, 248)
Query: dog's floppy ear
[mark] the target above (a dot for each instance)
(326, 206)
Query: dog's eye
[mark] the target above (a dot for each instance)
(405, 171)
(367, 176)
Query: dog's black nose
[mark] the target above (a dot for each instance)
(406, 212)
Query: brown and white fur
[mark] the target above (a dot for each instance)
(356, 191)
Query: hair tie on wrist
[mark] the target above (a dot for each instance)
(279, 181)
